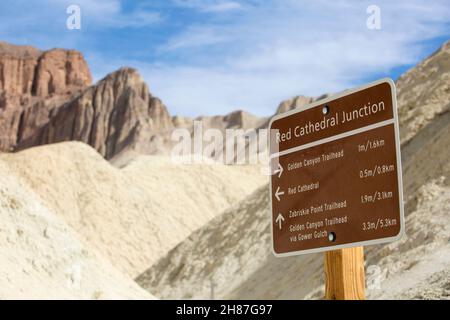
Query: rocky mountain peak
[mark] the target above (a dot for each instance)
(59, 71)
(27, 70)
(115, 115)
(18, 51)
(293, 103)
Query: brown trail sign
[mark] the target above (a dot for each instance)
(336, 179)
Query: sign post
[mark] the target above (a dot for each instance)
(344, 274)
(336, 182)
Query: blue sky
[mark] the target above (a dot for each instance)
(206, 57)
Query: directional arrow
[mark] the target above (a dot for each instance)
(278, 193)
(279, 220)
(279, 170)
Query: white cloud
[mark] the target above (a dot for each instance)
(193, 37)
(44, 25)
(215, 6)
(223, 6)
(105, 13)
(287, 48)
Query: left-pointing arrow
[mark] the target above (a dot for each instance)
(279, 220)
(278, 193)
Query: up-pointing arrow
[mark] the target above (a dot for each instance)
(279, 220)
(278, 193)
(279, 171)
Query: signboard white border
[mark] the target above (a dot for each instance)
(340, 136)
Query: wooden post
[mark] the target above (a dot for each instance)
(344, 271)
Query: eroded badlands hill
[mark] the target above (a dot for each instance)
(41, 257)
(134, 215)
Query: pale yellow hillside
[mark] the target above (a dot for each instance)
(41, 257)
(134, 215)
